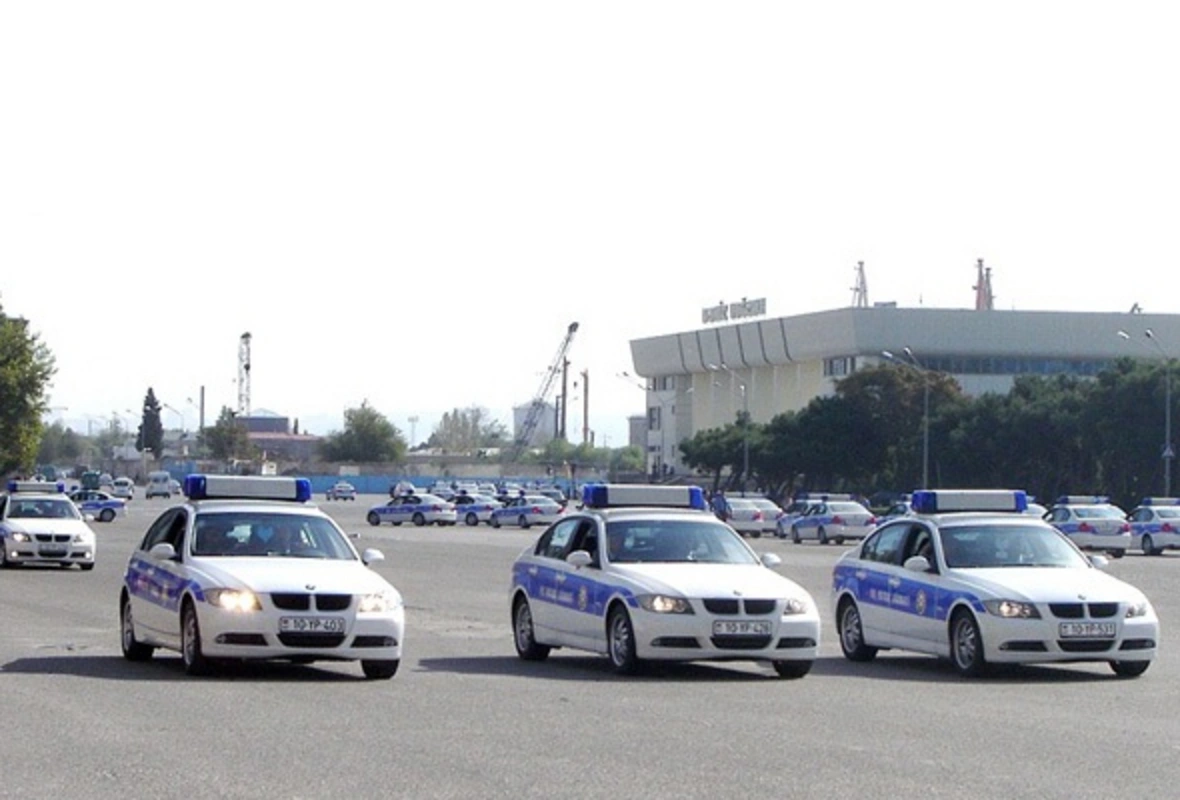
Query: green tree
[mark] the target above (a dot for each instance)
(26, 368)
(59, 445)
(151, 428)
(227, 438)
(368, 438)
(466, 430)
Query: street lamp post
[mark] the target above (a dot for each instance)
(913, 362)
(745, 420)
(1168, 453)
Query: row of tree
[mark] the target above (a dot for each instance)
(1049, 435)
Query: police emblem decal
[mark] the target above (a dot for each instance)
(920, 603)
(583, 598)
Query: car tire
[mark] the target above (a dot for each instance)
(133, 649)
(1148, 546)
(523, 522)
(524, 635)
(822, 534)
(852, 634)
(380, 670)
(792, 669)
(1129, 669)
(795, 535)
(756, 534)
(620, 642)
(194, 659)
(1119, 553)
(418, 519)
(106, 515)
(4, 562)
(494, 522)
(373, 518)
(966, 643)
(471, 519)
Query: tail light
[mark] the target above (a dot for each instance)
(1125, 527)
(1085, 528)
(536, 510)
(871, 521)
(436, 508)
(1167, 528)
(757, 516)
(837, 520)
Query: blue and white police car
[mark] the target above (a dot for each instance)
(526, 510)
(1092, 523)
(475, 508)
(646, 573)
(798, 506)
(970, 578)
(833, 521)
(417, 509)
(100, 505)
(246, 569)
(39, 524)
(1155, 525)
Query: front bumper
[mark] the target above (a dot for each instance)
(35, 552)
(690, 637)
(256, 635)
(1031, 641)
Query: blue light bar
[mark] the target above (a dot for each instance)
(614, 495)
(246, 487)
(1160, 501)
(42, 487)
(937, 501)
(1083, 500)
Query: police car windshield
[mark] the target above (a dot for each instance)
(47, 508)
(674, 541)
(271, 535)
(986, 547)
(1168, 513)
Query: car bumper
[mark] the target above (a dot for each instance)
(1039, 641)
(35, 553)
(1160, 540)
(226, 634)
(690, 637)
(1102, 541)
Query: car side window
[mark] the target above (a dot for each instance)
(559, 538)
(886, 545)
(159, 530)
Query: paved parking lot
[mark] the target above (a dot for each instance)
(465, 718)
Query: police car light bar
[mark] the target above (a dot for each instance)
(823, 496)
(611, 495)
(1083, 500)
(43, 487)
(1160, 501)
(936, 501)
(246, 487)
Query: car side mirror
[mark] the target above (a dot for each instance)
(1100, 561)
(579, 559)
(771, 560)
(917, 564)
(371, 556)
(163, 552)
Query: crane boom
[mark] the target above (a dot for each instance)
(537, 405)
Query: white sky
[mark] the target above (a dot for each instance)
(409, 202)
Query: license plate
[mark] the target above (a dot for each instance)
(1086, 630)
(311, 624)
(741, 627)
(53, 551)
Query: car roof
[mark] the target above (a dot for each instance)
(278, 506)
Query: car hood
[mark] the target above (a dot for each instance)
(1050, 584)
(34, 526)
(274, 574)
(711, 580)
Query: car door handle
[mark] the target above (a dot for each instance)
(894, 583)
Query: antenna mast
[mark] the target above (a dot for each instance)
(244, 376)
(984, 299)
(860, 292)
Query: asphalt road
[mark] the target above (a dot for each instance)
(464, 718)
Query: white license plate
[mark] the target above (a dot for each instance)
(1086, 630)
(54, 551)
(741, 627)
(311, 624)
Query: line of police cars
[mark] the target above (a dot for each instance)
(247, 568)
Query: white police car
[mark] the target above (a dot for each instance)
(475, 508)
(101, 505)
(646, 573)
(418, 509)
(246, 570)
(525, 511)
(39, 524)
(971, 579)
(1155, 525)
(833, 521)
(341, 490)
(1092, 523)
(799, 505)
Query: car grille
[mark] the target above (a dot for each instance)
(53, 537)
(297, 601)
(1071, 646)
(728, 605)
(1078, 610)
(740, 642)
(311, 639)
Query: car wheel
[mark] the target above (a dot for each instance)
(1148, 546)
(792, 669)
(620, 642)
(523, 522)
(967, 645)
(823, 535)
(195, 662)
(1129, 669)
(852, 634)
(838, 539)
(418, 519)
(494, 522)
(523, 635)
(4, 562)
(471, 518)
(106, 515)
(133, 649)
(1117, 553)
(373, 518)
(757, 534)
(380, 670)
(795, 535)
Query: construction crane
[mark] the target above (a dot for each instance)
(537, 406)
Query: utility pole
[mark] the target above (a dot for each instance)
(565, 368)
(585, 406)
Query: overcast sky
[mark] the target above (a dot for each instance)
(408, 203)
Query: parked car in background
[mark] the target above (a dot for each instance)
(833, 521)
(99, 505)
(341, 490)
(123, 487)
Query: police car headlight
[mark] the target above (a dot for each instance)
(382, 601)
(794, 605)
(234, 599)
(1012, 609)
(1138, 609)
(664, 604)
(21, 537)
